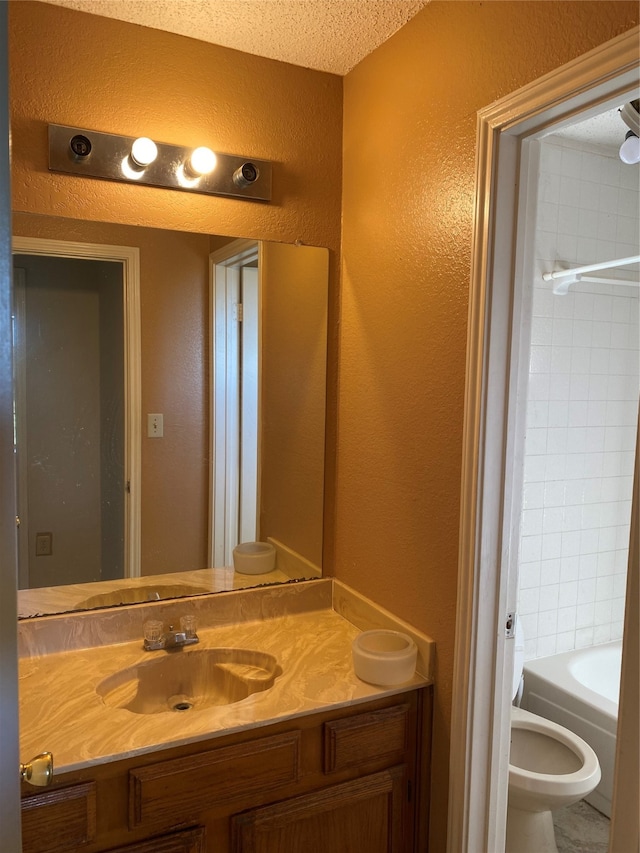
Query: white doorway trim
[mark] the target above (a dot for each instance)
(129, 258)
(486, 590)
(235, 405)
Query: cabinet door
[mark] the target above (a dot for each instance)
(364, 816)
(59, 819)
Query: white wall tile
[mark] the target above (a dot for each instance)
(546, 646)
(628, 203)
(547, 597)
(530, 549)
(586, 591)
(567, 619)
(602, 633)
(531, 522)
(528, 601)
(617, 629)
(565, 641)
(569, 568)
(604, 588)
(584, 638)
(568, 594)
(550, 571)
(551, 546)
(547, 623)
(588, 566)
(582, 408)
(529, 577)
(578, 410)
(533, 497)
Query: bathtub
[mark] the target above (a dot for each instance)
(579, 690)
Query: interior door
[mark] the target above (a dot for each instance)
(9, 752)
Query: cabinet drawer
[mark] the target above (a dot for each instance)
(177, 790)
(187, 841)
(59, 820)
(365, 737)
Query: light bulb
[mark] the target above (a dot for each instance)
(202, 161)
(630, 149)
(144, 151)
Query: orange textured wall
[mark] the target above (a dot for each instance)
(69, 67)
(409, 170)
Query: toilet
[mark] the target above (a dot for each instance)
(549, 767)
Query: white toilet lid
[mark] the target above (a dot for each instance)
(518, 657)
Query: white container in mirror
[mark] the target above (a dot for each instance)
(384, 657)
(254, 558)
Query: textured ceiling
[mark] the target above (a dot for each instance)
(328, 35)
(606, 130)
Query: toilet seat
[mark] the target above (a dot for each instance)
(530, 789)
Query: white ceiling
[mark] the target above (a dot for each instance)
(327, 35)
(606, 130)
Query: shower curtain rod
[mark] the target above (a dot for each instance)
(605, 265)
(576, 274)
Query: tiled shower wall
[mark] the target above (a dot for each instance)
(582, 407)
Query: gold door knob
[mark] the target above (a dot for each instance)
(39, 771)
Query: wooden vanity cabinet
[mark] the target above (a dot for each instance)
(352, 780)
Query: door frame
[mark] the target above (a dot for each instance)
(486, 589)
(226, 474)
(9, 728)
(19, 386)
(129, 258)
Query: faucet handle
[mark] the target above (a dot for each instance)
(153, 634)
(188, 626)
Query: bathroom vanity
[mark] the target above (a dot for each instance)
(345, 780)
(316, 760)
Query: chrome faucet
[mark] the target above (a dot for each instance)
(156, 638)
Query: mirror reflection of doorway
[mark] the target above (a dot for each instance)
(70, 420)
(236, 368)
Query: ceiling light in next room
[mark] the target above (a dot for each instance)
(630, 148)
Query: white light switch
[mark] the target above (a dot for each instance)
(155, 426)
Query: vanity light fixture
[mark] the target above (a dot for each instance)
(246, 175)
(202, 162)
(143, 151)
(141, 160)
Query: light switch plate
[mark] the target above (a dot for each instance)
(155, 426)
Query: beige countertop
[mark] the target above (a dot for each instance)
(308, 627)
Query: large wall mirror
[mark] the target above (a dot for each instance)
(170, 402)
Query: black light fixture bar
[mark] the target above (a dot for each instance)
(107, 155)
